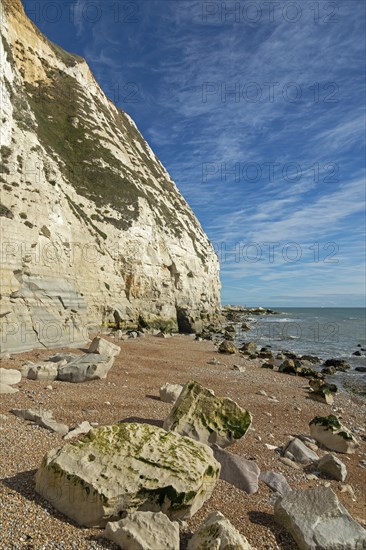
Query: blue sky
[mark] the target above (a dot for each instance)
(256, 108)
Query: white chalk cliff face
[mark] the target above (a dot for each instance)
(93, 229)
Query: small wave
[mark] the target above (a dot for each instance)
(285, 320)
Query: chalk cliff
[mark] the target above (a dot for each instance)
(93, 229)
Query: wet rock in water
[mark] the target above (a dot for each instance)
(290, 354)
(329, 370)
(42, 418)
(318, 521)
(46, 371)
(169, 393)
(275, 481)
(216, 533)
(360, 369)
(245, 326)
(310, 359)
(10, 376)
(200, 415)
(103, 347)
(227, 347)
(297, 451)
(332, 467)
(328, 431)
(229, 336)
(90, 366)
(338, 364)
(249, 347)
(357, 353)
(127, 467)
(144, 531)
(237, 471)
(231, 328)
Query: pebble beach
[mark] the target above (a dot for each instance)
(279, 403)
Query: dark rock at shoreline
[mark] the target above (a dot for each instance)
(329, 370)
(289, 367)
(317, 384)
(227, 347)
(289, 354)
(357, 353)
(307, 372)
(338, 364)
(360, 369)
(311, 359)
(266, 354)
(267, 366)
(249, 347)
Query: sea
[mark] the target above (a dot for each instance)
(324, 332)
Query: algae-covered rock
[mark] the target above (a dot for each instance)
(199, 414)
(127, 467)
(217, 533)
(332, 434)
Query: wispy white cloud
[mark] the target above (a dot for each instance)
(172, 55)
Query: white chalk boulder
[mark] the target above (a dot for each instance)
(144, 531)
(124, 468)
